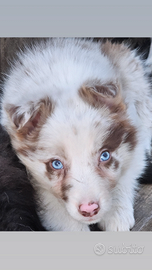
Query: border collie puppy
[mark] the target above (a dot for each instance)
(79, 115)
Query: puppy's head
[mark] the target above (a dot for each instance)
(78, 149)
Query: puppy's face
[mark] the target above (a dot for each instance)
(78, 150)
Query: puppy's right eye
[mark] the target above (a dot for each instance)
(57, 164)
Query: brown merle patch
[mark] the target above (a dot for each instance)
(106, 90)
(120, 132)
(114, 51)
(118, 53)
(116, 164)
(25, 150)
(111, 163)
(52, 173)
(130, 138)
(64, 189)
(61, 187)
(109, 178)
(14, 116)
(49, 171)
(30, 130)
(25, 136)
(98, 96)
(100, 171)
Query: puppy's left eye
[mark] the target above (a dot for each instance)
(105, 156)
(57, 164)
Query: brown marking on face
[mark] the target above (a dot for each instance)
(64, 185)
(100, 171)
(55, 172)
(131, 139)
(112, 162)
(49, 171)
(116, 164)
(114, 138)
(110, 180)
(61, 187)
(121, 132)
(64, 188)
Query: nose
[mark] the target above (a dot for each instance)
(89, 210)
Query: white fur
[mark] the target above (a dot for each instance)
(58, 69)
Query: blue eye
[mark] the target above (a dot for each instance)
(105, 156)
(57, 164)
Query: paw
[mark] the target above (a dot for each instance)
(118, 221)
(79, 227)
(85, 228)
(76, 227)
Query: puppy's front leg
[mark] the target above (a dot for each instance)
(121, 215)
(75, 226)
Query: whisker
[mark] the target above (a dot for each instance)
(77, 180)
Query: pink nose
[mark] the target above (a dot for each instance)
(89, 210)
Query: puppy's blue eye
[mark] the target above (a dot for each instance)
(57, 164)
(105, 156)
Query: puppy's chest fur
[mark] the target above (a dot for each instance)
(79, 117)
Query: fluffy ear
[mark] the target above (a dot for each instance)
(30, 118)
(97, 95)
(108, 90)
